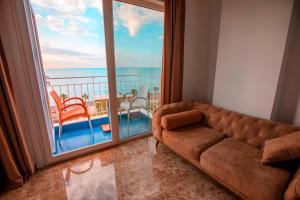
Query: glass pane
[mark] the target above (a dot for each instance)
(138, 54)
(71, 36)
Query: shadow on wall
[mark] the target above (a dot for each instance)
(200, 46)
(287, 103)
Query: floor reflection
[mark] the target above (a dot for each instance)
(90, 180)
(131, 171)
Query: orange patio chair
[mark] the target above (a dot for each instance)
(70, 111)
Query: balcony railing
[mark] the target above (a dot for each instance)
(94, 90)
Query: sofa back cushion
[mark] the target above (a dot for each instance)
(167, 110)
(250, 130)
(282, 148)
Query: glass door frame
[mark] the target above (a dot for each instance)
(112, 100)
(138, 127)
(111, 68)
(43, 148)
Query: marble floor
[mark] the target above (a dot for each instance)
(133, 171)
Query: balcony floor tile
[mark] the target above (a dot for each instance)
(78, 135)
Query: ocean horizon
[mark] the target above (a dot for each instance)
(75, 72)
(127, 79)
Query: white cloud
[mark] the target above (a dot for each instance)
(68, 7)
(57, 57)
(53, 23)
(66, 16)
(67, 27)
(129, 16)
(82, 19)
(133, 17)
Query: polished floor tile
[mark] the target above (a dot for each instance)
(132, 171)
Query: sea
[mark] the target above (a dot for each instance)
(93, 82)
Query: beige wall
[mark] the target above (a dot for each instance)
(201, 39)
(250, 52)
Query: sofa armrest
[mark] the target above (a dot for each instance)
(293, 190)
(166, 110)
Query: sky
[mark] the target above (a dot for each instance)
(71, 34)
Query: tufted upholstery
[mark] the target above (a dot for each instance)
(250, 130)
(239, 155)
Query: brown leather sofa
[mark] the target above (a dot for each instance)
(228, 146)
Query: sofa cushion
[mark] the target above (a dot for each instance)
(238, 166)
(293, 190)
(181, 119)
(192, 140)
(282, 148)
(163, 110)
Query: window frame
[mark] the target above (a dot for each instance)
(21, 45)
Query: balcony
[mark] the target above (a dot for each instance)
(94, 91)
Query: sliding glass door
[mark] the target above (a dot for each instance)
(102, 65)
(72, 41)
(138, 56)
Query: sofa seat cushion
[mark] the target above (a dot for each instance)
(192, 140)
(238, 166)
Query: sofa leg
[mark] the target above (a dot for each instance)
(157, 143)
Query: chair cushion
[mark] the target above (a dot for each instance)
(181, 119)
(282, 148)
(192, 140)
(238, 166)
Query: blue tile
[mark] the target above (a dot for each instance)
(137, 125)
(78, 135)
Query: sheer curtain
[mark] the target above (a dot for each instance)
(173, 52)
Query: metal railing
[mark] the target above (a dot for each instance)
(94, 90)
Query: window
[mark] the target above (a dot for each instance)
(74, 37)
